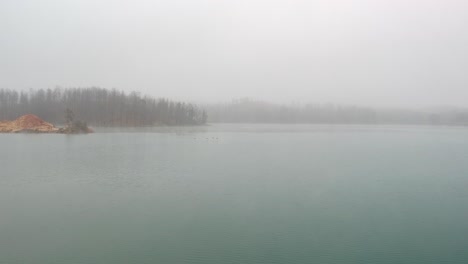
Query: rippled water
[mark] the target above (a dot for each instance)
(236, 194)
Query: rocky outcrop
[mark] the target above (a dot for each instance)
(33, 124)
(27, 123)
(76, 127)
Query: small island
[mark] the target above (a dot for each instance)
(33, 124)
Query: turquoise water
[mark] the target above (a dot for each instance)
(236, 194)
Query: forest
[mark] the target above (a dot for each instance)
(104, 107)
(246, 110)
(99, 107)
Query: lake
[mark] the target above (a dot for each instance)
(236, 194)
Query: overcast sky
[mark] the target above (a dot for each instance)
(366, 52)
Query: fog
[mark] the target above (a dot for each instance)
(372, 53)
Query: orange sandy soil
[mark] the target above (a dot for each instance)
(27, 123)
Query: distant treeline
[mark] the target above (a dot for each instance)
(99, 107)
(250, 111)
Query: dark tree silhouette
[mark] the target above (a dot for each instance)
(99, 107)
(69, 116)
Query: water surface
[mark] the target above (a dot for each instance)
(236, 194)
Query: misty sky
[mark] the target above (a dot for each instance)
(394, 52)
